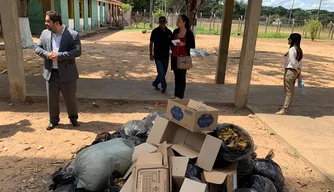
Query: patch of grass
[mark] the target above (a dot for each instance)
(295, 155)
(273, 35)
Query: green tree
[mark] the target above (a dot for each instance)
(126, 7)
(312, 26)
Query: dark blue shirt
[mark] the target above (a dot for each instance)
(162, 42)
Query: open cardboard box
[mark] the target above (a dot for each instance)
(227, 176)
(192, 115)
(189, 144)
(152, 172)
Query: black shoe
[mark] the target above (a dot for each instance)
(51, 126)
(75, 123)
(156, 87)
(163, 91)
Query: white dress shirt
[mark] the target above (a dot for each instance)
(56, 39)
(291, 61)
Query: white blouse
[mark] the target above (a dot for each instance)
(291, 61)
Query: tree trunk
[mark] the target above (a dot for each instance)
(26, 37)
(151, 14)
(192, 7)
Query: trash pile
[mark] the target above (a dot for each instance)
(181, 151)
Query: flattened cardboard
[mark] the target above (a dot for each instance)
(227, 176)
(151, 172)
(192, 115)
(187, 143)
(210, 147)
(192, 186)
(144, 148)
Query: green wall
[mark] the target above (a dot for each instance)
(101, 12)
(36, 17)
(94, 14)
(62, 7)
(76, 15)
(106, 12)
(85, 15)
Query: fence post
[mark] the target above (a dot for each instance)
(293, 25)
(200, 20)
(214, 22)
(144, 19)
(319, 34)
(278, 20)
(210, 23)
(267, 20)
(332, 32)
(242, 18)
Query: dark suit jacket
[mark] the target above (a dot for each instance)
(70, 48)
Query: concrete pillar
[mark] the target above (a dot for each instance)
(52, 2)
(224, 41)
(247, 52)
(86, 15)
(13, 50)
(76, 15)
(94, 14)
(106, 12)
(101, 12)
(62, 7)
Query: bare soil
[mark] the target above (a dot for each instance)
(124, 55)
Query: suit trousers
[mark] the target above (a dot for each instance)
(54, 86)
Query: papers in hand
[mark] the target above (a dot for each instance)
(176, 41)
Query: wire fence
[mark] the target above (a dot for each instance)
(268, 27)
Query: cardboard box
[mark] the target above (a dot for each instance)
(192, 115)
(189, 144)
(178, 168)
(151, 172)
(227, 176)
(192, 186)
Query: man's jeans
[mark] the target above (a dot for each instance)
(162, 67)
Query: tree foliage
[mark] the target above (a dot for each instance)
(313, 26)
(126, 7)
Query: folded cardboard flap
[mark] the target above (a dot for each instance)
(227, 176)
(189, 144)
(127, 187)
(141, 149)
(199, 106)
(179, 168)
(192, 186)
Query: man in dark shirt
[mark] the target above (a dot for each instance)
(161, 38)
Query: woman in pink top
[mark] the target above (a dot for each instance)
(293, 68)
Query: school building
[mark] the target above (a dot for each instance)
(79, 15)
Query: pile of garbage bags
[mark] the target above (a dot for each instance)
(101, 166)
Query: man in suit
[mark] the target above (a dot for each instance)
(59, 46)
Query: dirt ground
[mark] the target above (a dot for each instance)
(22, 132)
(124, 55)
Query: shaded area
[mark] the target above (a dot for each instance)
(131, 90)
(12, 129)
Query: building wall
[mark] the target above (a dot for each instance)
(80, 17)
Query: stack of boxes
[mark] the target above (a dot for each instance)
(156, 168)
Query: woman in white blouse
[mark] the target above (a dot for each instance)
(293, 68)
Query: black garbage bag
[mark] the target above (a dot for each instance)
(149, 120)
(193, 171)
(237, 143)
(271, 170)
(261, 184)
(137, 140)
(62, 181)
(115, 182)
(134, 128)
(244, 171)
(246, 190)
